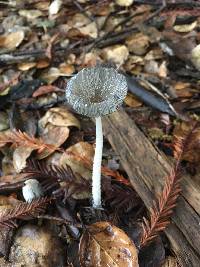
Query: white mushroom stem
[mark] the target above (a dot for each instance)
(96, 175)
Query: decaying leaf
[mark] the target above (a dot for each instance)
(26, 66)
(185, 27)
(45, 89)
(11, 40)
(193, 148)
(73, 156)
(53, 127)
(132, 101)
(20, 156)
(117, 54)
(138, 44)
(104, 244)
(195, 56)
(59, 116)
(52, 74)
(124, 3)
(30, 14)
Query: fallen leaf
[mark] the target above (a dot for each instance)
(89, 30)
(125, 3)
(52, 74)
(68, 69)
(138, 44)
(20, 156)
(74, 158)
(42, 63)
(104, 244)
(185, 27)
(45, 89)
(55, 7)
(11, 40)
(30, 14)
(117, 54)
(59, 116)
(26, 66)
(132, 101)
(195, 56)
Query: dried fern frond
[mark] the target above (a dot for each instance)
(22, 211)
(162, 208)
(121, 198)
(18, 138)
(55, 174)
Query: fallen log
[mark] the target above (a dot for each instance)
(147, 168)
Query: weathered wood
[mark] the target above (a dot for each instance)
(147, 168)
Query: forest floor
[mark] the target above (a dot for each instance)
(151, 149)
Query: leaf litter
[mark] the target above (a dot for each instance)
(42, 45)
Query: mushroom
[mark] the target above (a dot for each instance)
(95, 92)
(32, 190)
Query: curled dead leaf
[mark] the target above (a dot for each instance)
(74, 158)
(20, 156)
(132, 101)
(104, 244)
(12, 40)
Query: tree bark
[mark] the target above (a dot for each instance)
(147, 168)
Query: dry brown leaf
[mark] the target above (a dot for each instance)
(82, 149)
(125, 3)
(42, 63)
(104, 244)
(30, 14)
(26, 66)
(68, 69)
(117, 54)
(185, 27)
(138, 44)
(89, 30)
(192, 153)
(11, 40)
(59, 116)
(20, 156)
(54, 135)
(52, 74)
(45, 89)
(131, 101)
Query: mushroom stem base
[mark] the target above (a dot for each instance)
(96, 174)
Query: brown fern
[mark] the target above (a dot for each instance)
(52, 175)
(23, 211)
(162, 208)
(18, 138)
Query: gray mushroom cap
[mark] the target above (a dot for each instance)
(96, 91)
